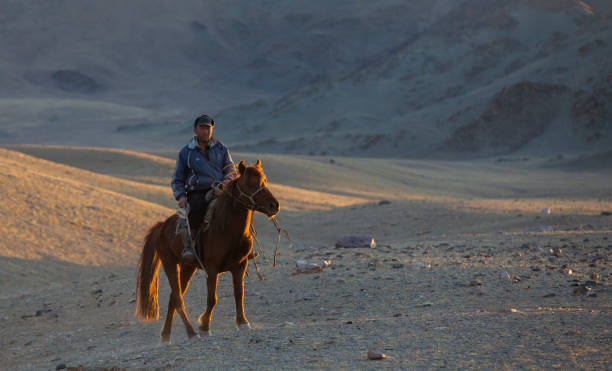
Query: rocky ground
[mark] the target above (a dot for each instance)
(495, 301)
(470, 284)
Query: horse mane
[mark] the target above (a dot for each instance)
(222, 209)
(225, 201)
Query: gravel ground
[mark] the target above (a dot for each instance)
(491, 301)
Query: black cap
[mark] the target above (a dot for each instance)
(203, 119)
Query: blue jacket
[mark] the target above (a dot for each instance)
(195, 170)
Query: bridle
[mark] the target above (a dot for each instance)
(253, 206)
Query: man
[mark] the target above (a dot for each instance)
(200, 163)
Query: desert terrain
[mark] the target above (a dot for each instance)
(471, 139)
(468, 272)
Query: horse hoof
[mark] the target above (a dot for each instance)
(205, 333)
(245, 327)
(165, 340)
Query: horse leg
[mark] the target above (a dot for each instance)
(176, 300)
(238, 280)
(186, 274)
(204, 320)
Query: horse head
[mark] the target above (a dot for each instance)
(253, 186)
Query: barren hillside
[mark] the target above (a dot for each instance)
(388, 79)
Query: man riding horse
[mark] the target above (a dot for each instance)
(200, 164)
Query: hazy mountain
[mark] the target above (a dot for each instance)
(386, 78)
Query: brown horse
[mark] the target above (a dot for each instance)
(223, 247)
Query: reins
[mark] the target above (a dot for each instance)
(254, 207)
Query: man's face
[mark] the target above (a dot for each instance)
(203, 132)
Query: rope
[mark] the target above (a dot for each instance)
(279, 229)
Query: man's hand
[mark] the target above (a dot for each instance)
(182, 202)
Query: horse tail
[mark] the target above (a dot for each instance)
(147, 285)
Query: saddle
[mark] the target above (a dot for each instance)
(181, 222)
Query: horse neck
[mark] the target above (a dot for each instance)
(237, 217)
(240, 218)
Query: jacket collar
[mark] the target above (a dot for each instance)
(193, 144)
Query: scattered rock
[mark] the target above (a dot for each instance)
(397, 265)
(551, 295)
(356, 241)
(40, 312)
(384, 202)
(546, 211)
(584, 290)
(376, 356)
(590, 293)
(475, 283)
(504, 276)
(96, 292)
(303, 266)
(594, 276)
(590, 283)
(61, 366)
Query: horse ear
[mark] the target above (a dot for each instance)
(258, 163)
(241, 168)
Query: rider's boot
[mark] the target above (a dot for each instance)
(187, 254)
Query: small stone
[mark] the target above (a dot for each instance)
(504, 276)
(40, 312)
(356, 241)
(61, 366)
(397, 265)
(590, 294)
(590, 283)
(376, 356)
(594, 276)
(475, 283)
(579, 291)
(549, 295)
(96, 292)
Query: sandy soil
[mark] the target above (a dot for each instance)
(468, 272)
